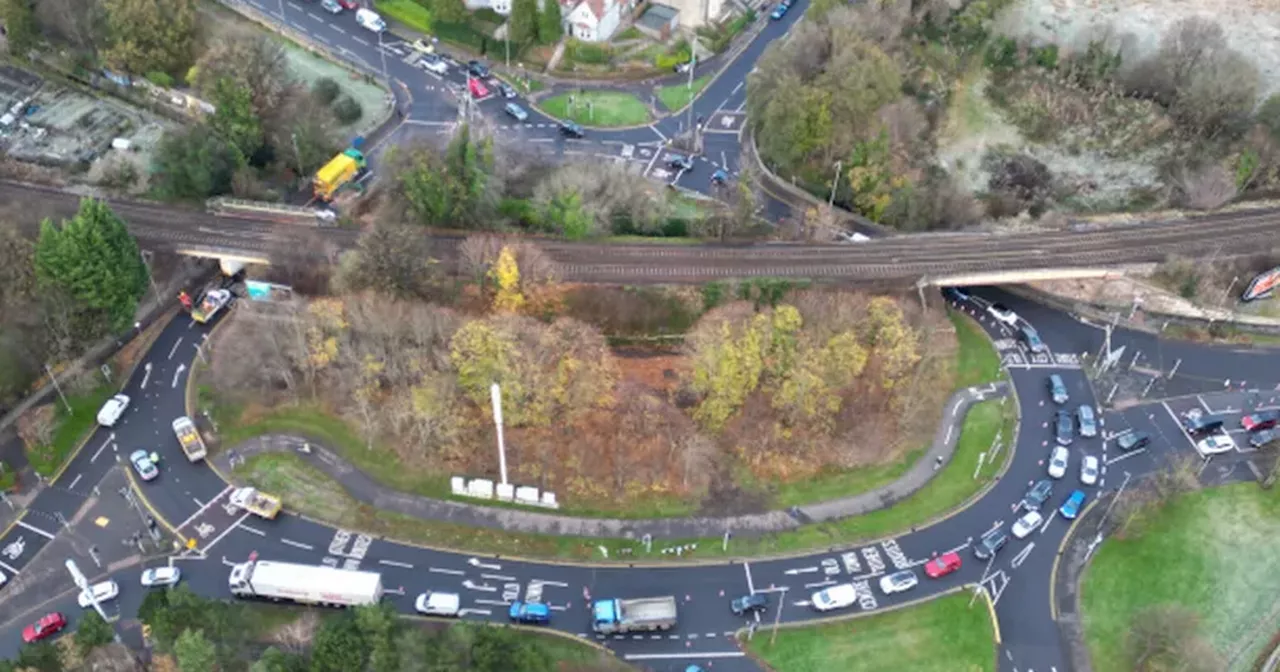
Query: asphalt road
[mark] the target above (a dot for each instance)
(191, 497)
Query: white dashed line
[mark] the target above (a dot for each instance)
(254, 530)
(297, 544)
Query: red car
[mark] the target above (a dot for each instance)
(349, 4)
(942, 565)
(48, 626)
(478, 89)
(1260, 420)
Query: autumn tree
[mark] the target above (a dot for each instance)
(150, 35)
(506, 279)
(21, 28)
(256, 62)
(81, 23)
(523, 25)
(390, 258)
(452, 188)
(235, 118)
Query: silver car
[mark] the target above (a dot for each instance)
(1088, 422)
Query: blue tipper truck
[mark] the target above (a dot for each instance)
(645, 614)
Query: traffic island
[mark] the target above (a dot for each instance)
(600, 109)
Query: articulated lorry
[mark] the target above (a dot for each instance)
(256, 502)
(340, 171)
(305, 584)
(644, 614)
(189, 439)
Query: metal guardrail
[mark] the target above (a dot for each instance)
(236, 207)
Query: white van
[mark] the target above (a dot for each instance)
(438, 604)
(835, 597)
(370, 20)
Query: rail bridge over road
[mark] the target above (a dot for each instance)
(937, 259)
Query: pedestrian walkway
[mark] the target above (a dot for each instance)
(363, 488)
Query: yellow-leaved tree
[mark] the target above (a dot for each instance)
(506, 276)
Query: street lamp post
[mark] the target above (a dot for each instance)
(495, 395)
(835, 182)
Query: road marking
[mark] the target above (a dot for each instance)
(828, 582)
(204, 506)
(12, 572)
(751, 587)
(1021, 557)
(660, 135)
(550, 583)
(496, 603)
(483, 587)
(394, 563)
(338, 29)
(77, 480)
(677, 656)
(497, 577)
(961, 547)
(360, 41)
(101, 448)
(454, 572)
(1048, 520)
(484, 612)
(800, 570)
(297, 544)
(226, 532)
(475, 562)
(260, 533)
(33, 528)
(1125, 456)
(317, 18)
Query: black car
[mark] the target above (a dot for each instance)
(1261, 438)
(571, 130)
(478, 69)
(506, 90)
(680, 162)
(955, 294)
(748, 604)
(990, 544)
(1202, 424)
(1064, 427)
(1133, 441)
(1037, 495)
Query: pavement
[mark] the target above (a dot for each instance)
(363, 488)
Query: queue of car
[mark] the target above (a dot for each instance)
(54, 622)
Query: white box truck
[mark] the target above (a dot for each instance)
(305, 584)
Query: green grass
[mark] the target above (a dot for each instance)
(631, 33)
(943, 635)
(977, 363)
(407, 12)
(1215, 551)
(609, 108)
(73, 427)
(676, 96)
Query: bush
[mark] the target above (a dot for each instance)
(347, 111)
(1046, 57)
(1269, 115)
(680, 53)
(160, 79)
(326, 90)
(1001, 54)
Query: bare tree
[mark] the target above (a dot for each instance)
(610, 193)
(392, 258)
(1167, 637)
(1205, 188)
(79, 22)
(253, 59)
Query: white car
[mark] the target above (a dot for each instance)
(1089, 470)
(1215, 444)
(438, 604)
(1002, 314)
(112, 410)
(1058, 462)
(161, 576)
(107, 590)
(1027, 524)
(898, 582)
(436, 65)
(141, 460)
(835, 597)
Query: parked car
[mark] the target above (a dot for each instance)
(1088, 421)
(682, 67)
(1071, 508)
(680, 162)
(748, 604)
(434, 64)
(478, 69)
(779, 11)
(1260, 420)
(331, 6)
(1002, 314)
(1058, 389)
(1027, 524)
(898, 582)
(1058, 462)
(435, 603)
(571, 130)
(103, 592)
(48, 626)
(161, 576)
(111, 411)
(1133, 441)
(835, 597)
(942, 565)
(1037, 495)
(990, 544)
(530, 613)
(516, 111)
(1032, 340)
(1089, 470)
(1064, 428)
(1262, 438)
(142, 463)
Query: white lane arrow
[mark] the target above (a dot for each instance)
(479, 586)
(802, 570)
(475, 562)
(176, 374)
(146, 376)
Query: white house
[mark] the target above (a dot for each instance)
(595, 20)
(502, 7)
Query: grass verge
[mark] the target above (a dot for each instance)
(1215, 551)
(977, 362)
(676, 96)
(409, 13)
(73, 426)
(945, 634)
(598, 108)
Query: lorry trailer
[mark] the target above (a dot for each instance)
(305, 584)
(633, 615)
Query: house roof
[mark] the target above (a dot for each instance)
(597, 7)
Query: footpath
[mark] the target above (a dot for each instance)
(368, 491)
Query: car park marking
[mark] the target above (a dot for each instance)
(260, 533)
(496, 603)
(24, 524)
(12, 572)
(800, 570)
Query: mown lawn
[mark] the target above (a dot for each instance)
(408, 12)
(943, 635)
(73, 427)
(1216, 552)
(597, 108)
(676, 96)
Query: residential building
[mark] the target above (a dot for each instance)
(595, 20)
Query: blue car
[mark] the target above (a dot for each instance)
(779, 11)
(530, 613)
(1071, 508)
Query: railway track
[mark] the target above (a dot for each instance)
(168, 227)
